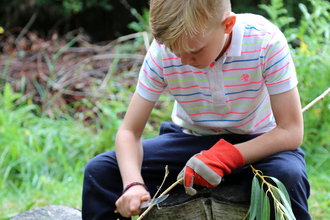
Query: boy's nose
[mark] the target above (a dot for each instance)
(186, 59)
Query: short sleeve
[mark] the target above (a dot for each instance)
(151, 81)
(278, 68)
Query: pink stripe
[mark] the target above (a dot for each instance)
(189, 87)
(237, 126)
(198, 100)
(254, 51)
(157, 43)
(238, 113)
(172, 58)
(264, 48)
(244, 84)
(155, 62)
(246, 97)
(249, 68)
(150, 89)
(262, 64)
(153, 78)
(275, 54)
(261, 121)
(278, 69)
(254, 35)
(260, 24)
(169, 74)
(270, 84)
(244, 123)
(269, 42)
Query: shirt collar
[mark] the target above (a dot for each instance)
(235, 47)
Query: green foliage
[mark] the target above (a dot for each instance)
(260, 193)
(311, 58)
(143, 20)
(278, 16)
(314, 30)
(63, 7)
(69, 7)
(43, 158)
(277, 13)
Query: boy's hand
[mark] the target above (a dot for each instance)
(129, 203)
(208, 167)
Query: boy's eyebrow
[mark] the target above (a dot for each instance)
(196, 51)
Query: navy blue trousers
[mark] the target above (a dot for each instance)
(103, 185)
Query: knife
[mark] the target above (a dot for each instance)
(151, 202)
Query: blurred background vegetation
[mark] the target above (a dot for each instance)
(68, 69)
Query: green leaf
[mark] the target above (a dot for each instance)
(63, 49)
(262, 196)
(265, 207)
(286, 204)
(255, 195)
(282, 188)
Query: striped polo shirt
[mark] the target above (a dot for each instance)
(232, 95)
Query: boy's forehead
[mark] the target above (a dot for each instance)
(190, 43)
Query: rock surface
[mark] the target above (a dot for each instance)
(51, 212)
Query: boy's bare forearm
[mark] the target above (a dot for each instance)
(129, 154)
(270, 143)
(287, 135)
(129, 149)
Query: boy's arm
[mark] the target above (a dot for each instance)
(208, 167)
(287, 135)
(129, 154)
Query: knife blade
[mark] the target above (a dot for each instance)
(151, 202)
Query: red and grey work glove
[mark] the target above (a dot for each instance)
(208, 167)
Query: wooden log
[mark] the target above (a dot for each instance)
(227, 201)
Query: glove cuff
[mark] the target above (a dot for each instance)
(228, 154)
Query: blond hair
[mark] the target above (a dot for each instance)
(172, 21)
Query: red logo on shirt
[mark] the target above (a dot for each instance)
(245, 77)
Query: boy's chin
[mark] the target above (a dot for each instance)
(200, 66)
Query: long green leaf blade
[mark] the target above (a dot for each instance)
(260, 203)
(265, 207)
(63, 49)
(282, 188)
(255, 194)
(285, 204)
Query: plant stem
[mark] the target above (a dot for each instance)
(164, 193)
(321, 97)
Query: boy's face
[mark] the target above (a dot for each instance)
(205, 49)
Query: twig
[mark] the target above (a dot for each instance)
(164, 193)
(321, 97)
(28, 25)
(96, 57)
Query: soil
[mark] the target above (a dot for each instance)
(53, 74)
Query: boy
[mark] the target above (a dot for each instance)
(237, 104)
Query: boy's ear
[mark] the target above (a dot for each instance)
(229, 23)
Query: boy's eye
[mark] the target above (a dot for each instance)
(197, 52)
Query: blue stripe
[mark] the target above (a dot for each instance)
(239, 119)
(250, 26)
(229, 131)
(165, 67)
(154, 70)
(237, 61)
(276, 62)
(197, 93)
(248, 90)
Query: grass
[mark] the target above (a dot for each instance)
(43, 154)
